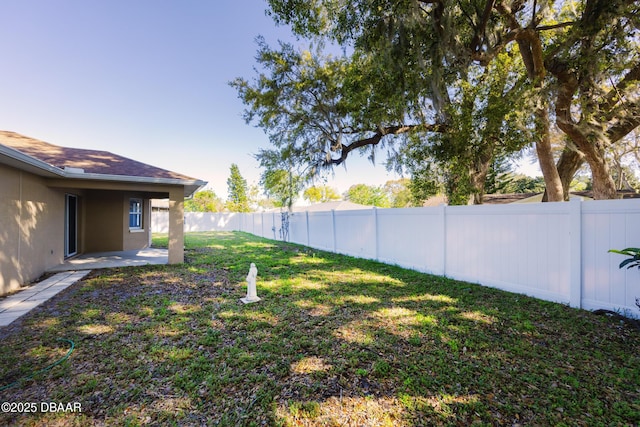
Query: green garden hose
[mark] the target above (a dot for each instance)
(44, 369)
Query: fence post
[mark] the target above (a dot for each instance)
(333, 222)
(376, 232)
(575, 253)
(306, 216)
(443, 226)
(273, 226)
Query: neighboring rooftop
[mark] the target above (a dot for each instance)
(89, 161)
(338, 205)
(501, 199)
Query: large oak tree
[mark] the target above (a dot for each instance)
(580, 59)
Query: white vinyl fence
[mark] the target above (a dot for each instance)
(553, 251)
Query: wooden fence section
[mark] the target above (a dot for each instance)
(553, 251)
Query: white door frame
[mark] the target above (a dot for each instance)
(70, 225)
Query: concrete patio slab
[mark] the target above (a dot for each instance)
(114, 259)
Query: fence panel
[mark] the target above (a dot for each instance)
(321, 233)
(273, 223)
(298, 228)
(160, 222)
(553, 251)
(209, 221)
(412, 238)
(519, 248)
(258, 226)
(613, 224)
(355, 233)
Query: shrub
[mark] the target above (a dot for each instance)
(633, 261)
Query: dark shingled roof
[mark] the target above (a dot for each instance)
(91, 161)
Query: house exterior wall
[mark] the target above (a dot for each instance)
(107, 222)
(103, 221)
(32, 224)
(31, 228)
(136, 239)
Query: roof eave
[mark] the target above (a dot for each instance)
(190, 186)
(19, 160)
(22, 161)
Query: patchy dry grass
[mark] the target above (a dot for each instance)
(335, 341)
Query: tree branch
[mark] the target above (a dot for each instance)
(555, 26)
(481, 28)
(626, 124)
(532, 55)
(484, 58)
(613, 96)
(532, 24)
(377, 137)
(568, 87)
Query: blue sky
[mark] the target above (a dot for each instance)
(140, 78)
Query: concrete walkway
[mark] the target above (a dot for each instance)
(20, 303)
(69, 272)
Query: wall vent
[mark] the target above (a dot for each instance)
(73, 170)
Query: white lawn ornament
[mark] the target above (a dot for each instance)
(252, 293)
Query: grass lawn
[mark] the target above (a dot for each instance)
(335, 341)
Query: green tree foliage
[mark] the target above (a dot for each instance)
(518, 183)
(581, 60)
(258, 201)
(399, 193)
(237, 199)
(427, 182)
(581, 183)
(317, 109)
(321, 194)
(204, 201)
(625, 162)
(368, 195)
(595, 61)
(282, 186)
(432, 54)
(484, 127)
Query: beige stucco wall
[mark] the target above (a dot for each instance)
(32, 221)
(106, 222)
(103, 222)
(136, 239)
(31, 228)
(32, 224)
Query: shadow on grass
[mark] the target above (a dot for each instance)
(335, 341)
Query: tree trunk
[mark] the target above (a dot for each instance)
(584, 136)
(478, 173)
(569, 163)
(553, 184)
(603, 185)
(532, 56)
(478, 177)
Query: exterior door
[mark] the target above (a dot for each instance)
(70, 225)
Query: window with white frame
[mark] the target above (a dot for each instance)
(135, 214)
